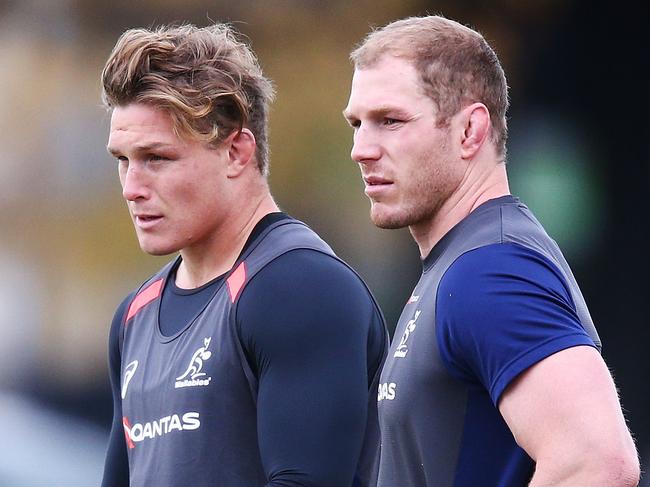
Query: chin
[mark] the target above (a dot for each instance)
(387, 220)
(153, 249)
(158, 253)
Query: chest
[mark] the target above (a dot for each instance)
(199, 367)
(414, 375)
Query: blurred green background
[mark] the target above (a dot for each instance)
(578, 155)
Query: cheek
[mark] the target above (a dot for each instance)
(186, 189)
(418, 163)
(199, 201)
(426, 173)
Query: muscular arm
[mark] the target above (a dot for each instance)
(508, 322)
(564, 411)
(306, 323)
(116, 467)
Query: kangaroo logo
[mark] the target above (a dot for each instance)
(403, 348)
(194, 375)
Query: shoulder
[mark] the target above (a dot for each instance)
(115, 335)
(305, 271)
(510, 266)
(499, 309)
(309, 296)
(149, 290)
(120, 313)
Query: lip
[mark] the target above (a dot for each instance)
(376, 185)
(146, 221)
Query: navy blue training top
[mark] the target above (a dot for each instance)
(495, 297)
(180, 305)
(505, 284)
(284, 356)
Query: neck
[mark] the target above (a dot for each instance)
(482, 182)
(217, 257)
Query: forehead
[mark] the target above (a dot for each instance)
(140, 123)
(391, 81)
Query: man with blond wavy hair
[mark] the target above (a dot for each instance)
(251, 359)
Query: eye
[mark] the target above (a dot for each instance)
(122, 164)
(391, 121)
(158, 160)
(354, 123)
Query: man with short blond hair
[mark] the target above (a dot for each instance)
(494, 376)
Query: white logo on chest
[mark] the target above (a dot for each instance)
(402, 349)
(150, 430)
(194, 375)
(386, 391)
(129, 372)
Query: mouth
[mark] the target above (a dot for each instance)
(376, 181)
(146, 220)
(376, 185)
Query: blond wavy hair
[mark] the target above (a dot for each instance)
(207, 79)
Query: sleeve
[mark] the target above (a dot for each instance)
(500, 309)
(116, 466)
(312, 333)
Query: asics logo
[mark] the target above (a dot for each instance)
(129, 372)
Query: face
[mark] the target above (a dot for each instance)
(174, 188)
(406, 162)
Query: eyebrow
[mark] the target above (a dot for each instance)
(140, 148)
(379, 112)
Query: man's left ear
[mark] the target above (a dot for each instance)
(475, 122)
(241, 151)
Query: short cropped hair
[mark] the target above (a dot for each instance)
(207, 79)
(455, 63)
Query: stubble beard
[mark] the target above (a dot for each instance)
(415, 214)
(424, 198)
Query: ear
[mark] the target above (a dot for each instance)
(241, 151)
(475, 125)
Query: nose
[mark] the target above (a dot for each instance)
(134, 184)
(366, 146)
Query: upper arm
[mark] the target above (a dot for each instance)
(507, 321)
(114, 347)
(564, 411)
(501, 309)
(309, 327)
(116, 468)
